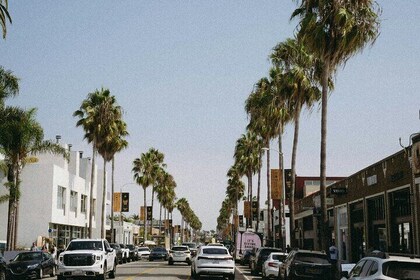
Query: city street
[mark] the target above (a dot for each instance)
(158, 269)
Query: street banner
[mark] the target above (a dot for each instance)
(241, 220)
(247, 209)
(149, 213)
(254, 210)
(117, 202)
(141, 213)
(276, 184)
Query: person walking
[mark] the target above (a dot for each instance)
(333, 252)
(34, 247)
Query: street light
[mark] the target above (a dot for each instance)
(282, 200)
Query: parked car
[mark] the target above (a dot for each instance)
(192, 246)
(270, 268)
(213, 260)
(143, 252)
(158, 253)
(246, 256)
(125, 253)
(305, 264)
(379, 265)
(260, 257)
(2, 267)
(118, 251)
(132, 252)
(179, 254)
(32, 264)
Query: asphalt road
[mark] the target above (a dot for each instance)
(159, 270)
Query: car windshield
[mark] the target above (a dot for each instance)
(279, 257)
(85, 245)
(30, 256)
(312, 258)
(143, 249)
(130, 247)
(180, 249)
(190, 245)
(158, 249)
(215, 251)
(401, 270)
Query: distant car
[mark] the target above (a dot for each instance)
(245, 258)
(305, 264)
(192, 246)
(179, 254)
(132, 252)
(270, 268)
(125, 253)
(215, 244)
(158, 253)
(143, 252)
(2, 267)
(32, 264)
(213, 261)
(379, 265)
(118, 251)
(256, 262)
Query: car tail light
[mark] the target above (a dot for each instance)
(272, 264)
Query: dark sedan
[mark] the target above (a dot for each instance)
(2, 268)
(158, 253)
(34, 264)
(118, 251)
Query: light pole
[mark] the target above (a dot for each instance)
(282, 199)
(121, 219)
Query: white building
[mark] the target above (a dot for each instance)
(54, 200)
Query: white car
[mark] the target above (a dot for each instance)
(143, 253)
(179, 254)
(270, 268)
(213, 260)
(380, 265)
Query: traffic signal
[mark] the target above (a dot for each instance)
(149, 213)
(125, 197)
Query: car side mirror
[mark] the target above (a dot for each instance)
(110, 250)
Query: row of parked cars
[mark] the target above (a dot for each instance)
(306, 264)
(129, 252)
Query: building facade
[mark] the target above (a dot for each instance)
(55, 201)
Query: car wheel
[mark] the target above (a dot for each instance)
(52, 274)
(60, 277)
(170, 262)
(189, 262)
(113, 271)
(232, 277)
(103, 275)
(40, 274)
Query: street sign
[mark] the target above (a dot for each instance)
(338, 190)
(125, 197)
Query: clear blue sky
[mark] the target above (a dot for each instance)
(182, 71)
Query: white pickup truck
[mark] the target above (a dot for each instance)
(87, 257)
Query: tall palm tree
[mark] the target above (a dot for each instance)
(96, 117)
(21, 138)
(145, 169)
(247, 159)
(334, 31)
(4, 16)
(114, 142)
(183, 207)
(300, 83)
(165, 191)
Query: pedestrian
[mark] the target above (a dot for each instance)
(333, 252)
(44, 248)
(288, 249)
(53, 252)
(34, 247)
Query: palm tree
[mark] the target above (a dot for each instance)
(300, 83)
(165, 191)
(114, 142)
(9, 85)
(96, 117)
(334, 31)
(21, 138)
(183, 207)
(145, 169)
(4, 16)
(248, 160)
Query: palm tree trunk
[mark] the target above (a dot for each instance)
(258, 199)
(92, 180)
(16, 206)
(249, 215)
(270, 238)
(11, 217)
(160, 220)
(151, 214)
(293, 172)
(112, 200)
(323, 165)
(103, 202)
(144, 216)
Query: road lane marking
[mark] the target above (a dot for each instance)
(242, 273)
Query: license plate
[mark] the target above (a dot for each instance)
(215, 262)
(313, 270)
(77, 272)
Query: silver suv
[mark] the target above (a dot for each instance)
(379, 265)
(179, 254)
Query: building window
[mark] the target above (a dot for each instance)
(83, 203)
(61, 197)
(73, 201)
